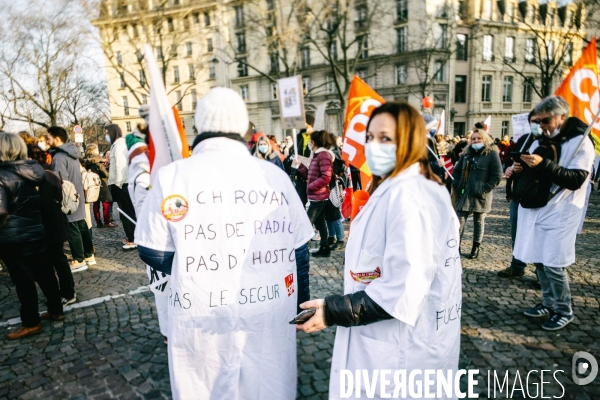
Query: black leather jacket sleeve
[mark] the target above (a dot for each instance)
(571, 179)
(353, 310)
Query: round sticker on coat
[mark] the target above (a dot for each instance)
(174, 208)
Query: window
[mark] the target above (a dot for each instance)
(194, 98)
(401, 75)
(142, 75)
(188, 48)
(241, 42)
(402, 42)
(460, 128)
(139, 55)
(487, 9)
(274, 62)
(305, 57)
(239, 16)
(439, 71)
(170, 24)
(509, 49)
(174, 50)
(329, 84)
(212, 71)
(179, 102)
(175, 2)
(242, 67)
(363, 46)
(274, 91)
(245, 92)
(122, 80)
(507, 89)
(550, 50)
(462, 49)
(486, 88)
(159, 53)
(196, 18)
(568, 56)
(460, 89)
(186, 24)
(144, 99)
(125, 105)
(176, 74)
(209, 45)
(440, 32)
(488, 48)
(127, 126)
(505, 127)
(119, 58)
(206, 19)
(192, 72)
(527, 90)
(362, 73)
(305, 85)
(115, 33)
(401, 10)
(361, 16)
(333, 50)
(530, 50)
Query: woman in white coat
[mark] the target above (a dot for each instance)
(402, 280)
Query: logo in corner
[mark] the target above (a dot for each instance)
(174, 208)
(366, 277)
(289, 284)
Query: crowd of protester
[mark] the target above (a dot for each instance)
(397, 246)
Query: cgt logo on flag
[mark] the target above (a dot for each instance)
(289, 284)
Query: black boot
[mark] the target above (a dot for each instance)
(339, 245)
(474, 251)
(331, 241)
(324, 251)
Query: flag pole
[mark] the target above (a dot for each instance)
(438, 158)
(126, 216)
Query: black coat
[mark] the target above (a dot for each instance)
(20, 209)
(95, 164)
(55, 221)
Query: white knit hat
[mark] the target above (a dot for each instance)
(222, 110)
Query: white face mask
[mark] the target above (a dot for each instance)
(42, 146)
(477, 146)
(535, 130)
(381, 158)
(107, 138)
(553, 134)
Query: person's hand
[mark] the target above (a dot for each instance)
(296, 163)
(441, 162)
(509, 171)
(532, 160)
(317, 322)
(517, 167)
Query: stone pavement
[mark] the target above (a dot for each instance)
(113, 349)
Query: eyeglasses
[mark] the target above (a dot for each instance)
(542, 121)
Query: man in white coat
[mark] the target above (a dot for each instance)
(226, 226)
(546, 235)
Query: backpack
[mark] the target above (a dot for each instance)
(70, 201)
(91, 185)
(533, 187)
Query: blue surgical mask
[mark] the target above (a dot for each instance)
(381, 158)
(263, 148)
(535, 130)
(107, 138)
(477, 146)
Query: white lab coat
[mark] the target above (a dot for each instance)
(233, 282)
(547, 235)
(138, 179)
(409, 231)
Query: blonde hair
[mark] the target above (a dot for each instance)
(12, 147)
(487, 139)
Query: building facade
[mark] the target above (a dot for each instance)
(474, 57)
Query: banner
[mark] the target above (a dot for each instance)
(167, 144)
(488, 124)
(581, 89)
(441, 128)
(361, 102)
(520, 126)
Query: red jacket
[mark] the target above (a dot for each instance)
(318, 175)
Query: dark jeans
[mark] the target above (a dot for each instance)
(478, 224)
(316, 215)
(301, 190)
(515, 264)
(26, 265)
(56, 257)
(105, 212)
(80, 240)
(125, 204)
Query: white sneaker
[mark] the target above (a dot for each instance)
(129, 246)
(78, 266)
(316, 238)
(66, 302)
(90, 260)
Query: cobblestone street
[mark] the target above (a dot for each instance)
(109, 345)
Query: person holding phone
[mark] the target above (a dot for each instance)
(402, 277)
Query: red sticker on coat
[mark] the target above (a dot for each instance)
(366, 277)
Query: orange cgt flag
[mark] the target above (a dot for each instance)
(581, 89)
(361, 102)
